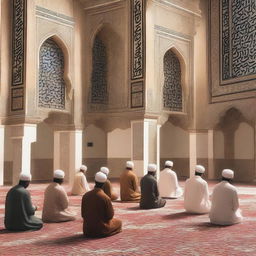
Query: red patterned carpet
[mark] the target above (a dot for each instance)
(165, 231)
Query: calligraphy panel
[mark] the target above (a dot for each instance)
(232, 49)
(51, 76)
(172, 90)
(99, 89)
(18, 41)
(137, 68)
(238, 22)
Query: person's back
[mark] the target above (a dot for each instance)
(56, 202)
(108, 190)
(149, 190)
(80, 184)
(129, 186)
(196, 195)
(107, 186)
(168, 184)
(225, 205)
(97, 212)
(19, 211)
(223, 210)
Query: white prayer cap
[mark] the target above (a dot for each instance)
(199, 169)
(130, 164)
(227, 173)
(100, 177)
(169, 163)
(152, 168)
(83, 168)
(104, 170)
(59, 174)
(25, 177)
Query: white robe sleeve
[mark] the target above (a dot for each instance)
(235, 201)
(85, 183)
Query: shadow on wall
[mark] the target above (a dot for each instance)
(234, 145)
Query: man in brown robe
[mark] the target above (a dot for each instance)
(129, 188)
(56, 201)
(97, 211)
(107, 187)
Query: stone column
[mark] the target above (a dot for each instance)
(145, 144)
(22, 136)
(1, 155)
(210, 155)
(68, 152)
(192, 153)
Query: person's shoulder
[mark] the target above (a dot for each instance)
(232, 187)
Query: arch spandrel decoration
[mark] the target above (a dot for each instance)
(172, 89)
(51, 76)
(99, 89)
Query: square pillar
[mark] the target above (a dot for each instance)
(145, 144)
(210, 155)
(68, 152)
(192, 153)
(22, 136)
(1, 155)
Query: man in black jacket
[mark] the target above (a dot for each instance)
(149, 191)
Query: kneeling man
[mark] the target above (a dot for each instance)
(107, 187)
(56, 201)
(129, 187)
(168, 182)
(19, 211)
(97, 211)
(225, 206)
(80, 185)
(196, 194)
(149, 191)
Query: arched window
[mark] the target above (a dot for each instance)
(172, 91)
(51, 76)
(99, 91)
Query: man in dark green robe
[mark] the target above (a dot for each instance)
(19, 211)
(149, 191)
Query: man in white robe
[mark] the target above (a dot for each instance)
(168, 182)
(225, 205)
(80, 185)
(56, 201)
(196, 193)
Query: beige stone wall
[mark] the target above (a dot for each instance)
(209, 115)
(111, 22)
(174, 146)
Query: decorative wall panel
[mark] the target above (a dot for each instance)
(172, 90)
(233, 48)
(238, 22)
(18, 41)
(18, 51)
(137, 94)
(137, 50)
(99, 88)
(137, 39)
(51, 76)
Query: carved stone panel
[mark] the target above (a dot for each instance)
(51, 76)
(238, 38)
(18, 54)
(99, 88)
(232, 49)
(172, 91)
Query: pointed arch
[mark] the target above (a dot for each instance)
(51, 91)
(174, 79)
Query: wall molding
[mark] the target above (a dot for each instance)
(54, 16)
